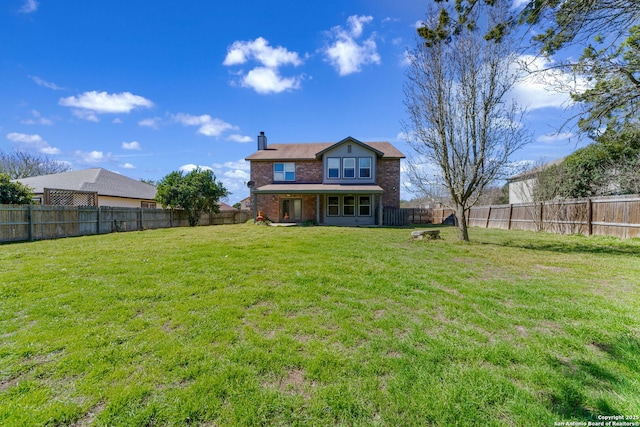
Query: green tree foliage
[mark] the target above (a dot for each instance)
(14, 193)
(609, 166)
(196, 192)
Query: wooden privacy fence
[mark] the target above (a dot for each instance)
(605, 216)
(38, 222)
(405, 216)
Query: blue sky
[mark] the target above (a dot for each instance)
(146, 87)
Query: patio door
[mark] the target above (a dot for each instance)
(291, 210)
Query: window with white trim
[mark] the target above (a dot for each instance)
(364, 205)
(364, 167)
(333, 167)
(333, 205)
(349, 205)
(349, 167)
(284, 171)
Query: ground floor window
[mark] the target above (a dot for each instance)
(349, 205)
(333, 205)
(364, 205)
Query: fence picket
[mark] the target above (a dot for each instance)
(38, 222)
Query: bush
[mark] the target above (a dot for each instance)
(14, 193)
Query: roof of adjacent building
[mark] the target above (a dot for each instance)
(101, 181)
(225, 207)
(533, 172)
(310, 151)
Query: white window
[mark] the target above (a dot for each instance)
(333, 167)
(364, 205)
(333, 206)
(284, 171)
(349, 167)
(364, 167)
(349, 206)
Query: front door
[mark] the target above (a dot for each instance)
(291, 210)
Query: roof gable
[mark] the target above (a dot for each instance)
(349, 140)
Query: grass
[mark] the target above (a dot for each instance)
(246, 325)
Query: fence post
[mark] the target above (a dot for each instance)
(510, 216)
(589, 217)
(98, 220)
(486, 225)
(141, 218)
(542, 216)
(31, 228)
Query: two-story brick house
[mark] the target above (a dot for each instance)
(343, 183)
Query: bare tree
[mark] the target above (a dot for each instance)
(461, 126)
(22, 164)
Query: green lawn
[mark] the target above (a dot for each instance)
(249, 325)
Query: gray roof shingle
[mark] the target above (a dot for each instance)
(102, 181)
(308, 151)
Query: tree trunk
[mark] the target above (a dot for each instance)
(461, 214)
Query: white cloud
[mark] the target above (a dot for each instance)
(240, 164)
(239, 138)
(40, 82)
(555, 137)
(90, 104)
(29, 6)
(92, 157)
(127, 166)
(268, 80)
(266, 77)
(117, 120)
(234, 175)
(259, 50)
(153, 122)
(545, 86)
(208, 125)
(23, 137)
(345, 53)
(37, 119)
(49, 150)
(33, 140)
(237, 174)
(133, 145)
(356, 23)
(190, 167)
(88, 115)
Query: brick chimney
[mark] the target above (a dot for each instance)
(262, 141)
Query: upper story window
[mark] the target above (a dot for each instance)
(333, 167)
(284, 171)
(364, 167)
(349, 167)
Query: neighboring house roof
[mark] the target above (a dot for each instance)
(311, 151)
(225, 207)
(533, 172)
(101, 181)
